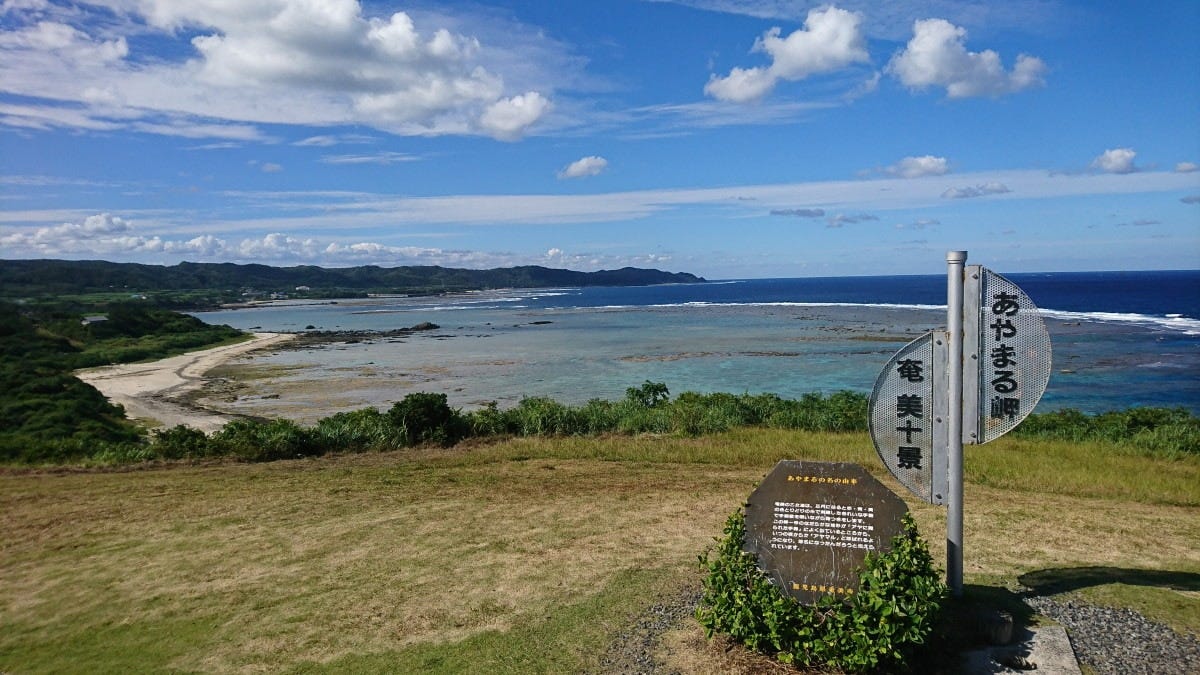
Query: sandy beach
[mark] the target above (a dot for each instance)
(150, 392)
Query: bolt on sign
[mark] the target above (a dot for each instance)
(811, 525)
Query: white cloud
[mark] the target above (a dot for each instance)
(714, 114)
(271, 167)
(317, 142)
(741, 85)
(507, 119)
(205, 245)
(381, 158)
(322, 215)
(972, 191)
(44, 118)
(115, 237)
(278, 246)
(278, 62)
(936, 56)
(586, 166)
(1115, 160)
(915, 167)
(842, 219)
(919, 224)
(829, 41)
(326, 140)
(799, 213)
(219, 145)
(867, 86)
(1187, 167)
(23, 5)
(188, 129)
(90, 229)
(333, 211)
(101, 234)
(68, 44)
(890, 20)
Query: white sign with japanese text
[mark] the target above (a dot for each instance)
(907, 412)
(1006, 354)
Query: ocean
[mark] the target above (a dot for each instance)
(1120, 339)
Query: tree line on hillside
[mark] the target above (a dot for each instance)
(43, 405)
(30, 278)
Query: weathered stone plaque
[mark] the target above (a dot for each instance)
(811, 524)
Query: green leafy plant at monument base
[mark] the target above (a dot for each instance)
(881, 626)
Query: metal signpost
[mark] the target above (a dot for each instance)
(968, 385)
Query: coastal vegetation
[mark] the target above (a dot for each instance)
(49, 414)
(427, 419)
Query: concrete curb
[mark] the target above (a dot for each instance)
(1044, 650)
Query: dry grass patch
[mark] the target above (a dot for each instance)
(312, 561)
(686, 651)
(525, 555)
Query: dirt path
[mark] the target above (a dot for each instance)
(150, 391)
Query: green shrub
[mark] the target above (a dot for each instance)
(122, 453)
(883, 625)
(634, 418)
(541, 416)
(1165, 432)
(427, 418)
(694, 414)
(598, 416)
(487, 421)
(840, 411)
(254, 441)
(1174, 441)
(357, 431)
(180, 442)
(649, 395)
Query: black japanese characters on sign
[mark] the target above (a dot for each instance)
(902, 417)
(811, 525)
(1007, 400)
(1011, 350)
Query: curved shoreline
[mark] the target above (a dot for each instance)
(150, 392)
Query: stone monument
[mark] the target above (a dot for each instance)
(812, 524)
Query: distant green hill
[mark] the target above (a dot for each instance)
(32, 278)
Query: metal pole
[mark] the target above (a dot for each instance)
(955, 260)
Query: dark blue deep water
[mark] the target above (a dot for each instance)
(1151, 294)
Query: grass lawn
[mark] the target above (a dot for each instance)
(520, 556)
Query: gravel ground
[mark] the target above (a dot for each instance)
(1110, 641)
(1121, 641)
(633, 650)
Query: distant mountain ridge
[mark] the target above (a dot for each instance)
(24, 277)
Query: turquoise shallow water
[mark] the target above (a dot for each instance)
(504, 346)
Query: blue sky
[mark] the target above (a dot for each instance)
(731, 139)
